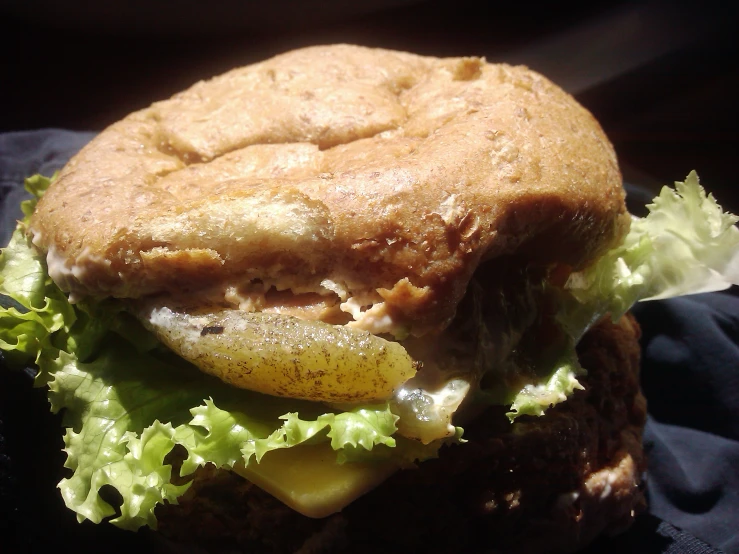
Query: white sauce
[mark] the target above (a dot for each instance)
(68, 274)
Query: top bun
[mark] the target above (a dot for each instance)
(381, 176)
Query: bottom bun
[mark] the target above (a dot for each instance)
(544, 484)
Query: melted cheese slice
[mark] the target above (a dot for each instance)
(308, 479)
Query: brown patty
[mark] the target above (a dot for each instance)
(360, 166)
(548, 484)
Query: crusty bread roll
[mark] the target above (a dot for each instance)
(370, 174)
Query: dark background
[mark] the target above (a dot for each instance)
(660, 76)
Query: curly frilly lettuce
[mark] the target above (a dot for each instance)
(686, 244)
(125, 411)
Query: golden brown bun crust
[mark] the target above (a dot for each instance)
(543, 485)
(357, 165)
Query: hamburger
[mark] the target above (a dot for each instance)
(346, 287)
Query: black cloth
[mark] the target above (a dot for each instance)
(25, 153)
(690, 374)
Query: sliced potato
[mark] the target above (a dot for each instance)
(284, 356)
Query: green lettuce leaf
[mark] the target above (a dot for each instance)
(108, 410)
(685, 245)
(363, 427)
(549, 390)
(127, 410)
(36, 185)
(37, 310)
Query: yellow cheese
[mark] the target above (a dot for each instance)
(308, 479)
